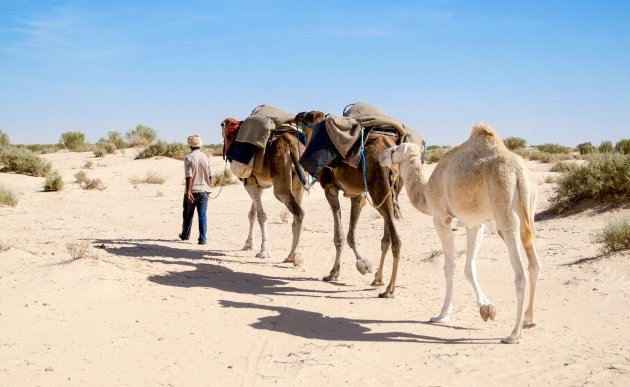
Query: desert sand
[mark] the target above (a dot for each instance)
(145, 308)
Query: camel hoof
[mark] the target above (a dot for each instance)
(330, 277)
(263, 254)
(510, 340)
(297, 259)
(364, 266)
(440, 319)
(488, 311)
(386, 294)
(248, 247)
(377, 283)
(529, 324)
(288, 260)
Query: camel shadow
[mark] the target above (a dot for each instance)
(312, 325)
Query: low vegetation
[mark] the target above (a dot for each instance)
(7, 197)
(614, 237)
(73, 141)
(513, 143)
(564, 166)
(22, 161)
(605, 178)
(116, 139)
(53, 182)
(175, 150)
(223, 178)
(605, 147)
(553, 148)
(623, 146)
(585, 148)
(543, 157)
(141, 135)
(434, 153)
(88, 165)
(80, 250)
(213, 149)
(151, 177)
(4, 139)
(86, 183)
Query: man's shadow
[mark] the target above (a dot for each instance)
(312, 325)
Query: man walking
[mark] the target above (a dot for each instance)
(198, 172)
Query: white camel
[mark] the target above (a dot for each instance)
(477, 182)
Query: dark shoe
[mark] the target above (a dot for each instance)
(201, 242)
(180, 237)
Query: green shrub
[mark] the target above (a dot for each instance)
(88, 165)
(605, 177)
(605, 147)
(141, 136)
(564, 166)
(53, 182)
(7, 196)
(4, 139)
(73, 141)
(175, 150)
(615, 236)
(80, 177)
(89, 184)
(623, 146)
(585, 148)
(553, 148)
(99, 151)
(513, 143)
(23, 161)
(213, 149)
(435, 154)
(152, 177)
(116, 139)
(223, 178)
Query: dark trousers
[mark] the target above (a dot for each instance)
(200, 202)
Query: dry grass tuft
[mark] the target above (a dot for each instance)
(151, 177)
(614, 237)
(8, 197)
(88, 165)
(90, 184)
(80, 250)
(432, 256)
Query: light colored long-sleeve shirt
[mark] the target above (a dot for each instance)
(197, 167)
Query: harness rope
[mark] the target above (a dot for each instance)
(222, 182)
(299, 168)
(391, 177)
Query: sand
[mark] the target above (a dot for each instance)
(144, 308)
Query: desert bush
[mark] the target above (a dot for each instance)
(80, 177)
(585, 148)
(175, 150)
(151, 177)
(513, 143)
(7, 197)
(23, 161)
(213, 149)
(90, 184)
(553, 148)
(79, 249)
(99, 151)
(117, 139)
(550, 180)
(141, 136)
(223, 178)
(623, 146)
(605, 177)
(434, 154)
(615, 236)
(88, 165)
(605, 147)
(4, 139)
(564, 166)
(42, 148)
(108, 146)
(53, 182)
(73, 141)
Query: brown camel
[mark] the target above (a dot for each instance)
(381, 190)
(477, 182)
(280, 171)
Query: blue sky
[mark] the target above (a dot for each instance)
(546, 71)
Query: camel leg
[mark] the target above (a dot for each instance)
(386, 242)
(363, 265)
(520, 281)
(332, 195)
(474, 236)
(255, 193)
(249, 243)
(284, 193)
(534, 274)
(387, 214)
(444, 231)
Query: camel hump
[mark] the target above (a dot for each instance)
(483, 128)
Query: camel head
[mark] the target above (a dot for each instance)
(398, 154)
(306, 120)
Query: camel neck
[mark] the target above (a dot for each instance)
(411, 173)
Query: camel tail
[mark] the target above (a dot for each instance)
(527, 192)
